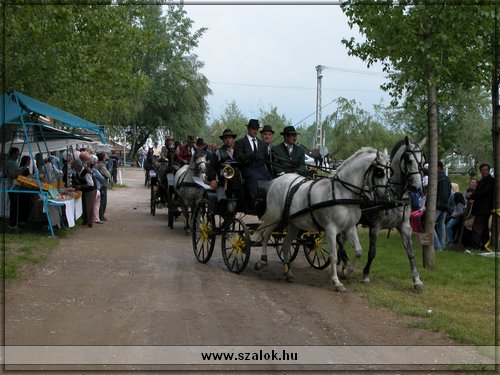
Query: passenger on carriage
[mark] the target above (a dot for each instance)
(222, 175)
(288, 156)
(250, 153)
(267, 137)
(169, 154)
(185, 152)
(156, 151)
(201, 145)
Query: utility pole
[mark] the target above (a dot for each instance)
(319, 141)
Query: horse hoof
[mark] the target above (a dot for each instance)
(419, 287)
(290, 278)
(259, 265)
(340, 288)
(366, 280)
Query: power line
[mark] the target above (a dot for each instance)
(286, 87)
(305, 118)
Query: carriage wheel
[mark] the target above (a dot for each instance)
(236, 245)
(277, 241)
(203, 233)
(316, 250)
(153, 197)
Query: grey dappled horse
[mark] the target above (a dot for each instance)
(332, 203)
(187, 192)
(407, 161)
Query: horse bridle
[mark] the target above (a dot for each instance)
(405, 159)
(375, 170)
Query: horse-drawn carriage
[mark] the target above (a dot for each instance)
(311, 213)
(161, 181)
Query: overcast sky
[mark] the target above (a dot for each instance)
(265, 55)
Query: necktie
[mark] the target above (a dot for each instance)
(254, 146)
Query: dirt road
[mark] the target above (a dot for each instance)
(133, 281)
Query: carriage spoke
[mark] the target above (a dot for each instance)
(203, 234)
(236, 245)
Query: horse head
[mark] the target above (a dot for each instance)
(380, 172)
(408, 161)
(366, 173)
(199, 163)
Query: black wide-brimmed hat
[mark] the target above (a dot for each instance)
(289, 130)
(267, 128)
(200, 142)
(253, 124)
(227, 132)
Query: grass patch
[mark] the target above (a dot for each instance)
(459, 295)
(27, 248)
(119, 186)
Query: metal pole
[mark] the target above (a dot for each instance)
(319, 141)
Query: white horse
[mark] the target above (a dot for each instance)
(187, 192)
(407, 161)
(329, 204)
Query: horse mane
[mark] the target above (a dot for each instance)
(355, 155)
(396, 148)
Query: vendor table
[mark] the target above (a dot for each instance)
(73, 210)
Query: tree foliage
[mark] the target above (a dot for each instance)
(128, 67)
(427, 49)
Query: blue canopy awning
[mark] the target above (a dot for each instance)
(10, 112)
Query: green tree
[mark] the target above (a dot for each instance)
(425, 50)
(231, 118)
(277, 121)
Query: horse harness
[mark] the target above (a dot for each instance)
(364, 201)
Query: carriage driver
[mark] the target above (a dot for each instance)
(169, 153)
(250, 153)
(288, 156)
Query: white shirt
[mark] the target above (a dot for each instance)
(252, 143)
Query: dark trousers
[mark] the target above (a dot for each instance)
(104, 201)
(480, 233)
(20, 204)
(88, 201)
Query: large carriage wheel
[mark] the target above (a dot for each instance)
(153, 196)
(203, 232)
(236, 245)
(276, 240)
(316, 250)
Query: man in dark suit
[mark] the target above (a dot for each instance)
(483, 198)
(288, 156)
(250, 153)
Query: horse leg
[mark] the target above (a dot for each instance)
(342, 256)
(405, 233)
(372, 251)
(287, 242)
(331, 237)
(352, 235)
(265, 234)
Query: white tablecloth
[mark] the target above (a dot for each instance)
(72, 207)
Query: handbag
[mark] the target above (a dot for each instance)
(469, 218)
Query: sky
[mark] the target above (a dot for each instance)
(264, 56)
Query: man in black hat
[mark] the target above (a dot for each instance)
(267, 137)
(223, 155)
(288, 156)
(250, 152)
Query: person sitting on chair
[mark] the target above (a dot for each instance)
(250, 153)
(169, 153)
(288, 156)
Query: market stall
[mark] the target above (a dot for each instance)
(25, 126)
